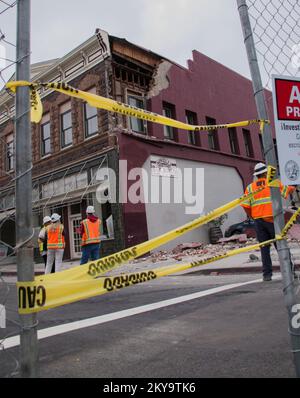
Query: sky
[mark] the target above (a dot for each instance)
(171, 28)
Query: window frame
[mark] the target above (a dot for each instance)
(63, 130)
(141, 98)
(10, 154)
(233, 141)
(86, 120)
(43, 140)
(171, 131)
(212, 135)
(248, 143)
(193, 136)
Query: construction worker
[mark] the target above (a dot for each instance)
(90, 236)
(260, 209)
(43, 242)
(55, 243)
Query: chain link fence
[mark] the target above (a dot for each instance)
(9, 318)
(276, 30)
(277, 39)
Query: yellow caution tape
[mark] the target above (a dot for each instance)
(94, 269)
(117, 107)
(36, 107)
(79, 282)
(270, 177)
(84, 281)
(290, 223)
(40, 296)
(36, 111)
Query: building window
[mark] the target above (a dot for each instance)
(213, 139)
(169, 111)
(45, 136)
(65, 185)
(233, 140)
(137, 125)
(10, 157)
(7, 201)
(248, 143)
(66, 125)
(193, 136)
(90, 118)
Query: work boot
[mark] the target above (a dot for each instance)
(267, 278)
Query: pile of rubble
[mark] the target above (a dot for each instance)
(199, 249)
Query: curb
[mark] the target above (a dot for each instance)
(209, 271)
(236, 270)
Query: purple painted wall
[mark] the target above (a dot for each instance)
(208, 89)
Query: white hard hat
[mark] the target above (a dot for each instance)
(46, 219)
(260, 168)
(55, 217)
(90, 210)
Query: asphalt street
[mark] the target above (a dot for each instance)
(234, 333)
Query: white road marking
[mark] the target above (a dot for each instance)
(69, 327)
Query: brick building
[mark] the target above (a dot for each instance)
(74, 141)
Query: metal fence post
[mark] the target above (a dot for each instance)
(282, 247)
(28, 337)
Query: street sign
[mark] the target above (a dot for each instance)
(286, 103)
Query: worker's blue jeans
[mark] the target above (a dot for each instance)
(265, 231)
(91, 251)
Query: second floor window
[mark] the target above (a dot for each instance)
(45, 139)
(66, 134)
(213, 139)
(90, 118)
(193, 136)
(169, 111)
(137, 125)
(233, 140)
(248, 143)
(10, 153)
(66, 129)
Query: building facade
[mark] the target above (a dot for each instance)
(75, 145)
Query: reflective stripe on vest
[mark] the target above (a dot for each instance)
(55, 237)
(40, 242)
(41, 246)
(91, 232)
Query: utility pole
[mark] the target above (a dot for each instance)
(28, 335)
(282, 247)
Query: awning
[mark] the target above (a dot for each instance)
(65, 199)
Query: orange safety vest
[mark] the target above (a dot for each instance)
(261, 203)
(55, 238)
(91, 232)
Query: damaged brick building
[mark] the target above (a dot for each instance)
(74, 141)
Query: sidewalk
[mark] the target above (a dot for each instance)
(240, 263)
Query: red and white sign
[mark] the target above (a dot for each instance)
(288, 99)
(286, 102)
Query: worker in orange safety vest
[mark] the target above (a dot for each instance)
(43, 242)
(259, 208)
(55, 237)
(90, 236)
